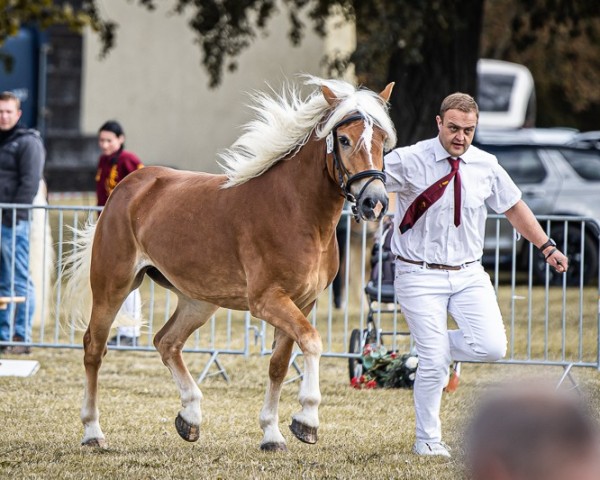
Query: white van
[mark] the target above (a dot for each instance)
(506, 95)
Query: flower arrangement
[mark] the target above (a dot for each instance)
(385, 369)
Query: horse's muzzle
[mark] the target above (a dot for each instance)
(373, 205)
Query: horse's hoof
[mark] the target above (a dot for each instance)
(189, 433)
(273, 447)
(95, 442)
(304, 433)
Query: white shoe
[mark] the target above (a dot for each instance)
(431, 448)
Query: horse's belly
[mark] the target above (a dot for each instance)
(220, 285)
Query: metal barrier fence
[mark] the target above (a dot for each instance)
(550, 320)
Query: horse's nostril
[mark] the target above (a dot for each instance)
(369, 203)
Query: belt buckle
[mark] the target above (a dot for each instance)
(439, 266)
(435, 266)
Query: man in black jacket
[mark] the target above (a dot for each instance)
(21, 163)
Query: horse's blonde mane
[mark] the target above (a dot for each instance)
(284, 123)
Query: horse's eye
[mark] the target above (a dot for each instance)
(344, 141)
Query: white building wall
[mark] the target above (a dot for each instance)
(154, 84)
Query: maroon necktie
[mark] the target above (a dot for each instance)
(433, 193)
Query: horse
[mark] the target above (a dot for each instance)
(259, 237)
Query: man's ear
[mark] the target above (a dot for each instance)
(439, 122)
(387, 92)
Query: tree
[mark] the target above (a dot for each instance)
(561, 47)
(45, 13)
(428, 47)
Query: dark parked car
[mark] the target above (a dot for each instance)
(556, 179)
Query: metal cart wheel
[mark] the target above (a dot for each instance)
(355, 368)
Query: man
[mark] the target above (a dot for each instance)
(442, 186)
(532, 432)
(22, 158)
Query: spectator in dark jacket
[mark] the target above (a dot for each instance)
(22, 158)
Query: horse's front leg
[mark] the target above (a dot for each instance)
(269, 416)
(283, 314)
(306, 422)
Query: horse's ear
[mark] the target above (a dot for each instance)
(329, 95)
(387, 91)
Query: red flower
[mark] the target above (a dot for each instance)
(393, 355)
(371, 384)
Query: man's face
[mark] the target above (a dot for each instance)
(9, 114)
(457, 129)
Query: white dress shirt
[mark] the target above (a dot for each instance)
(434, 238)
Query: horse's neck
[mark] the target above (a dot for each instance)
(307, 184)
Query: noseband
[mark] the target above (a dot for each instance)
(345, 178)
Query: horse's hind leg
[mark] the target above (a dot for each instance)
(269, 416)
(94, 342)
(169, 341)
(110, 288)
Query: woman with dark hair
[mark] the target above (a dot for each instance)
(114, 165)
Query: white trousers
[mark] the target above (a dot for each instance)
(132, 310)
(426, 296)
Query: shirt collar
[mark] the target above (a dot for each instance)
(440, 152)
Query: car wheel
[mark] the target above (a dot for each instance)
(573, 252)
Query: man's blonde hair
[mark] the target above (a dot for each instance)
(459, 101)
(7, 96)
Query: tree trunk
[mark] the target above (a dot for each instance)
(449, 64)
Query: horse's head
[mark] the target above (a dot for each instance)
(356, 144)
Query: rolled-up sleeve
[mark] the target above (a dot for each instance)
(393, 171)
(505, 193)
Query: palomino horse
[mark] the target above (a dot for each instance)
(259, 238)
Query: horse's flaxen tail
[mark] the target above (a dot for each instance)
(76, 292)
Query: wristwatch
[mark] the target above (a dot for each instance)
(549, 243)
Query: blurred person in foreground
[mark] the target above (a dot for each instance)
(532, 432)
(22, 158)
(114, 165)
(442, 187)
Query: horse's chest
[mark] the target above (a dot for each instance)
(322, 279)
(320, 276)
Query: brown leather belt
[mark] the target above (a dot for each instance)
(434, 266)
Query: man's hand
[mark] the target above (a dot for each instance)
(555, 258)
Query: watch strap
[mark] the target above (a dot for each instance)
(549, 243)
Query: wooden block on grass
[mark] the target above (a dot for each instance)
(4, 301)
(18, 368)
